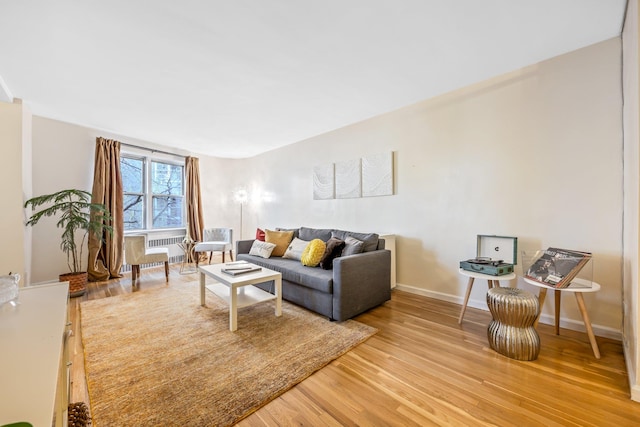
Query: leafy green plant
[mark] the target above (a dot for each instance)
(77, 213)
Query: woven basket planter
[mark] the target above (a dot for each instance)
(77, 283)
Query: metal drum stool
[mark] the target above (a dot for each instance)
(511, 332)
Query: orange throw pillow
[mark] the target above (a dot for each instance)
(280, 238)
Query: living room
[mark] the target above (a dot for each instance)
(539, 153)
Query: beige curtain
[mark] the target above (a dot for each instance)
(105, 259)
(194, 200)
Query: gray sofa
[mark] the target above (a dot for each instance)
(356, 283)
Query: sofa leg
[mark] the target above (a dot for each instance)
(133, 273)
(166, 270)
(223, 257)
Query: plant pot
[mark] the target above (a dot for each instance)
(77, 283)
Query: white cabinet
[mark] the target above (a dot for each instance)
(390, 244)
(34, 385)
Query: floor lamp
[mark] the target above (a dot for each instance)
(241, 197)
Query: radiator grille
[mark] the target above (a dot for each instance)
(167, 241)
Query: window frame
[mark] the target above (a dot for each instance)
(148, 196)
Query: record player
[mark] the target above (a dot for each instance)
(503, 248)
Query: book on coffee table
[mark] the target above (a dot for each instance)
(235, 271)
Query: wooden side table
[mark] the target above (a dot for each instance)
(582, 287)
(492, 281)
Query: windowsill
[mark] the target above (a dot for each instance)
(156, 230)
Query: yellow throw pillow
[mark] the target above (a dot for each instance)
(280, 238)
(313, 253)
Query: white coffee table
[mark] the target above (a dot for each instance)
(236, 290)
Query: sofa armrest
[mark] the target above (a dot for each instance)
(243, 246)
(360, 282)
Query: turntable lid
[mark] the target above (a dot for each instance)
(498, 247)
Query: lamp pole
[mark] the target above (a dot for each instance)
(241, 203)
(241, 196)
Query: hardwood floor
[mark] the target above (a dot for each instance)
(424, 369)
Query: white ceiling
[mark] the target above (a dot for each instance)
(234, 78)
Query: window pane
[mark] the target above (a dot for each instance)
(167, 212)
(132, 171)
(133, 212)
(166, 179)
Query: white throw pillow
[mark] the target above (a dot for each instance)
(261, 249)
(295, 249)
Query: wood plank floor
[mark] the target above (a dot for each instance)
(423, 369)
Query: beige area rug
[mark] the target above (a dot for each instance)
(157, 358)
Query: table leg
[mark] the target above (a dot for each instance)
(466, 299)
(278, 296)
(558, 295)
(203, 279)
(233, 309)
(587, 324)
(541, 297)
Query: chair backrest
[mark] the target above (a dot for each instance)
(134, 249)
(218, 235)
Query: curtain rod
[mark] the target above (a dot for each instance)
(153, 150)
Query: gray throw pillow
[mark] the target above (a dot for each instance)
(370, 239)
(352, 246)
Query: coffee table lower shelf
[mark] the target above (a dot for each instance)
(247, 295)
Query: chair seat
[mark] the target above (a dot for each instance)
(212, 246)
(156, 255)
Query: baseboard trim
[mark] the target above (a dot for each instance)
(572, 324)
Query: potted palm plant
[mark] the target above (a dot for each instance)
(77, 214)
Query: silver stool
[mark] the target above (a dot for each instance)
(511, 332)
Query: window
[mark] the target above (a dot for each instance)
(153, 193)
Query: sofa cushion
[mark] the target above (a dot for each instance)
(309, 234)
(370, 239)
(295, 249)
(313, 253)
(296, 231)
(293, 271)
(260, 235)
(261, 249)
(281, 240)
(333, 250)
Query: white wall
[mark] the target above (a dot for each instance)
(536, 154)
(631, 299)
(12, 139)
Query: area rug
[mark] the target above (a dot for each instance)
(157, 357)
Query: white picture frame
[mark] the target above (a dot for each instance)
(348, 179)
(377, 175)
(323, 182)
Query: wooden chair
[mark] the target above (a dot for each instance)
(136, 253)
